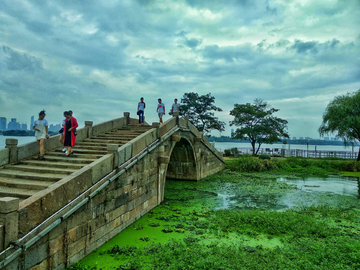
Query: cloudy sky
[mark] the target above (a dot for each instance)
(99, 57)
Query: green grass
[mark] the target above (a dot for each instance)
(291, 165)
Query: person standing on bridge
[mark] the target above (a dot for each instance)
(175, 109)
(160, 110)
(69, 133)
(41, 132)
(140, 112)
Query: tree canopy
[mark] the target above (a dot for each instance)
(257, 124)
(342, 118)
(200, 110)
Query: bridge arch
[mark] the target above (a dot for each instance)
(183, 163)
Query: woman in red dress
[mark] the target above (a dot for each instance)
(69, 133)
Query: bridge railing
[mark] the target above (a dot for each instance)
(14, 152)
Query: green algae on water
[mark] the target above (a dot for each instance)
(196, 228)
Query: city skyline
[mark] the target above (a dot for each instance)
(99, 57)
(15, 125)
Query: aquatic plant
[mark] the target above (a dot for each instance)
(264, 156)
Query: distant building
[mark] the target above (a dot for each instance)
(13, 125)
(326, 139)
(24, 127)
(308, 138)
(232, 131)
(54, 128)
(301, 138)
(3, 123)
(31, 122)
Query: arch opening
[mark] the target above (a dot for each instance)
(182, 165)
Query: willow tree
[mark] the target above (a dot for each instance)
(342, 118)
(257, 124)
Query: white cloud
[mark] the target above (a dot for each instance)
(100, 57)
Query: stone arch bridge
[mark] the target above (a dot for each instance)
(56, 211)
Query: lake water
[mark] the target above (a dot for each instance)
(21, 140)
(221, 146)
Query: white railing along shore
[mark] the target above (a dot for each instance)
(300, 152)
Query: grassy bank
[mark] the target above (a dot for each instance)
(292, 165)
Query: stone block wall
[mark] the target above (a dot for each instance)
(113, 209)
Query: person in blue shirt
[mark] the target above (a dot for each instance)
(140, 111)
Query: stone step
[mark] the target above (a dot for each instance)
(5, 173)
(88, 151)
(24, 184)
(49, 164)
(73, 159)
(16, 192)
(90, 147)
(117, 137)
(37, 169)
(86, 144)
(106, 141)
(87, 158)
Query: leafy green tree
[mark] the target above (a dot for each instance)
(200, 110)
(257, 124)
(342, 117)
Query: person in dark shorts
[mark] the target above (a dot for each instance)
(141, 109)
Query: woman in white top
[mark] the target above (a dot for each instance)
(41, 132)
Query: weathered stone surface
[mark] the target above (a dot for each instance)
(2, 237)
(175, 138)
(125, 153)
(8, 204)
(4, 156)
(44, 265)
(112, 148)
(101, 167)
(56, 244)
(36, 255)
(169, 124)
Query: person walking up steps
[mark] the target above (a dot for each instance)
(140, 112)
(41, 133)
(175, 109)
(160, 110)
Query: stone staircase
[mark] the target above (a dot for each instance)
(27, 177)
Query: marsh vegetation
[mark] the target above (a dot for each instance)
(237, 219)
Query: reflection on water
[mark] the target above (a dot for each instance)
(337, 191)
(347, 186)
